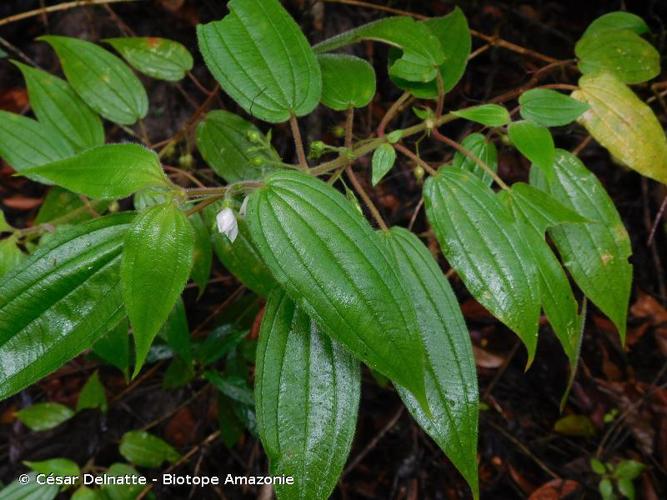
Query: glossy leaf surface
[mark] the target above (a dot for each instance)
(156, 57)
(60, 301)
(156, 264)
(479, 239)
(57, 105)
(540, 209)
(535, 143)
(225, 140)
(422, 52)
(331, 262)
(307, 391)
(146, 450)
(347, 81)
(450, 377)
(106, 172)
(101, 79)
(384, 158)
(550, 108)
(624, 125)
(44, 416)
(491, 115)
(596, 254)
(482, 149)
(262, 60)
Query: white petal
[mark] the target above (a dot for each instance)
(227, 225)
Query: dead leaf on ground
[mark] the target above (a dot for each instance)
(555, 490)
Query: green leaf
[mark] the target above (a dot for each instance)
(422, 53)
(125, 491)
(114, 347)
(4, 225)
(621, 52)
(332, 263)
(595, 253)
(203, 253)
(60, 301)
(156, 57)
(482, 149)
(231, 427)
(606, 489)
(629, 469)
(480, 240)
(384, 158)
(26, 143)
(234, 148)
(624, 125)
(550, 108)
(156, 264)
(262, 60)
(101, 79)
(145, 450)
(44, 416)
(618, 20)
(234, 388)
(57, 106)
(347, 81)
(454, 35)
(491, 115)
(85, 493)
(92, 395)
(626, 488)
(575, 425)
(177, 332)
(56, 466)
(307, 389)
(219, 343)
(598, 467)
(450, 377)
(61, 206)
(30, 490)
(535, 143)
(106, 172)
(10, 254)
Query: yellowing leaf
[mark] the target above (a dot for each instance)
(623, 124)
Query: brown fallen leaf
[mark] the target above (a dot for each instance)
(555, 490)
(484, 359)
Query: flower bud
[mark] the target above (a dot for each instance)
(227, 225)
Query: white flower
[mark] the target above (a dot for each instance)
(227, 225)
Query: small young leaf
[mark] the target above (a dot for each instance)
(92, 395)
(30, 490)
(624, 125)
(596, 253)
(124, 490)
(55, 466)
(307, 390)
(629, 469)
(535, 143)
(57, 105)
(598, 467)
(621, 52)
(145, 450)
(575, 425)
(114, 347)
(60, 301)
(234, 148)
(101, 79)
(26, 143)
(203, 254)
(44, 416)
(550, 108)
(450, 377)
(479, 239)
(422, 52)
(626, 488)
(234, 388)
(332, 263)
(482, 149)
(262, 60)
(156, 57)
(106, 172)
(384, 158)
(156, 264)
(619, 20)
(491, 115)
(347, 81)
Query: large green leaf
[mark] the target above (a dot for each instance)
(596, 254)
(619, 20)
(26, 143)
(332, 263)
(60, 301)
(550, 108)
(450, 377)
(454, 34)
(262, 60)
(105, 172)
(535, 143)
(10, 254)
(57, 106)
(30, 490)
(156, 264)
(234, 148)
(101, 79)
(482, 149)
(624, 125)
(156, 57)
(307, 394)
(347, 81)
(143, 449)
(422, 52)
(480, 240)
(621, 52)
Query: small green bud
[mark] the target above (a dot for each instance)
(253, 136)
(317, 149)
(394, 136)
(185, 160)
(338, 131)
(419, 173)
(256, 161)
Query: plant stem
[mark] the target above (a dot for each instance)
(391, 113)
(57, 7)
(298, 142)
(407, 152)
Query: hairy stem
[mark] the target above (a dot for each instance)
(298, 142)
